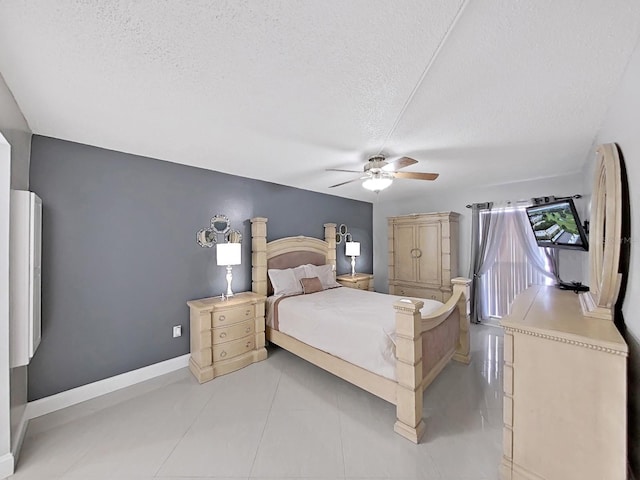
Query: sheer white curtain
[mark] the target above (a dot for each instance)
(514, 261)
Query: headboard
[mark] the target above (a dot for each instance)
(287, 252)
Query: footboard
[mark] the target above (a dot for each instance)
(423, 348)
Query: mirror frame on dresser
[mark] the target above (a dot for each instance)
(604, 235)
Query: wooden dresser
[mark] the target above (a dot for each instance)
(423, 254)
(565, 391)
(361, 281)
(226, 334)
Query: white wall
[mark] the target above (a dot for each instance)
(14, 132)
(6, 460)
(571, 261)
(621, 125)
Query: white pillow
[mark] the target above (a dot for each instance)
(324, 273)
(284, 282)
(300, 273)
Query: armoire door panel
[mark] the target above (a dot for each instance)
(403, 245)
(429, 261)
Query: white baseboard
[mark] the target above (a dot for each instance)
(19, 438)
(6, 465)
(67, 398)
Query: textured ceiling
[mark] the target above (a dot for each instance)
(481, 91)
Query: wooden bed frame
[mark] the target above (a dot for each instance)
(412, 331)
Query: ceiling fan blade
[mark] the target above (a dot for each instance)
(349, 181)
(416, 175)
(342, 170)
(399, 163)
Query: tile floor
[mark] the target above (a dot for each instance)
(281, 418)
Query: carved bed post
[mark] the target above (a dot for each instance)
(409, 393)
(259, 255)
(462, 285)
(330, 238)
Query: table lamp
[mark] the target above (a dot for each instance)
(352, 249)
(228, 254)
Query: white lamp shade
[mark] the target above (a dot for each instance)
(228, 253)
(352, 249)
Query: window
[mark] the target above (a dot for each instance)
(511, 270)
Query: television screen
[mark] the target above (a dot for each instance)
(557, 225)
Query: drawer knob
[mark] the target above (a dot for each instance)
(221, 318)
(248, 329)
(248, 344)
(246, 314)
(223, 354)
(223, 334)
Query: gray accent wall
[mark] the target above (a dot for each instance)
(120, 258)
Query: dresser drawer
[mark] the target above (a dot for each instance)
(233, 315)
(418, 292)
(233, 332)
(224, 351)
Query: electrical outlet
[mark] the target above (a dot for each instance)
(177, 331)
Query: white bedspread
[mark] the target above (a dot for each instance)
(354, 325)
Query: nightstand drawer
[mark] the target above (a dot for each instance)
(233, 315)
(361, 285)
(359, 281)
(232, 332)
(224, 351)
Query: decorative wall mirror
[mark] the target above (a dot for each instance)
(342, 234)
(220, 225)
(206, 238)
(604, 235)
(234, 236)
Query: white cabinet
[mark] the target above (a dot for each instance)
(25, 271)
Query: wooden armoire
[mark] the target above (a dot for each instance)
(423, 254)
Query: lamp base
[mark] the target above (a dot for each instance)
(353, 266)
(229, 277)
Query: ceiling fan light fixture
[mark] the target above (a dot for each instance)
(378, 181)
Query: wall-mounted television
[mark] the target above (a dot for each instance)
(556, 224)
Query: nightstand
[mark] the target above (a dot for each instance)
(361, 281)
(226, 335)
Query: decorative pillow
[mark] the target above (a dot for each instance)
(324, 273)
(284, 282)
(311, 285)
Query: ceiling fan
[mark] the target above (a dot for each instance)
(380, 172)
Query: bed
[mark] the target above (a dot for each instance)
(421, 343)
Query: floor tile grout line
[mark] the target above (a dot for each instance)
(344, 463)
(273, 399)
(74, 463)
(184, 434)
